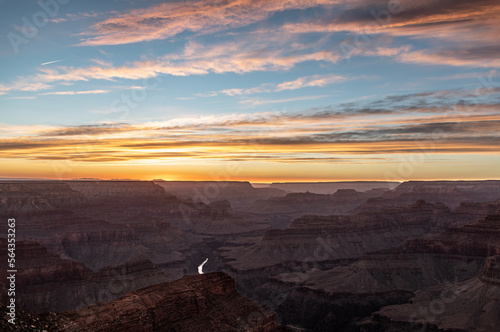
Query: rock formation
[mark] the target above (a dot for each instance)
(331, 238)
(334, 257)
(451, 193)
(239, 194)
(298, 204)
(332, 187)
(46, 282)
(207, 302)
(453, 279)
(34, 196)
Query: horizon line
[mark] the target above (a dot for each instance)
(246, 181)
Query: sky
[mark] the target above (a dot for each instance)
(254, 90)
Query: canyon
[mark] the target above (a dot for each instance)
(347, 256)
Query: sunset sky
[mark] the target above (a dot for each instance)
(258, 90)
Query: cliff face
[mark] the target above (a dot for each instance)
(207, 302)
(218, 218)
(103, 239)
(454, 276)
(457, 254)
(341, 202)
(330, 238)
(451, 193)
(30, 197)
(117, 191)
(450, 281)
(46, 282)
(37, 266)
(331, 187)
(97, 243)
(481, 238)
(472, 305)
(239, 194)
(110, 238)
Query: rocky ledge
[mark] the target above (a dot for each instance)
(207, 302)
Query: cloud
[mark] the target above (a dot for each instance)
(476, 23)
(311, 81)
(102, 63)
(170, 19)
(258, 102)
(85, 130)
(233, 92)
(469, 58)
(195, 59)
(88, 92)
(57, 20)
(27, 97)
(391, 125)
(282, 48)
(484, 76)
(299, 83)
(263, 88)
(206, 94)
(23, 84)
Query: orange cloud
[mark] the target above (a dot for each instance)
(169, 19)
(467, 31)
(356, 141)
(195, 59)
(473, 21)
(447, 58)
(317, 135)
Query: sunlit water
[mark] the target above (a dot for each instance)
(200, 268)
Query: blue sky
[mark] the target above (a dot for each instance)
(288, 90)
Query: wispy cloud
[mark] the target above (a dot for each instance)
(258, 102)
(26, 97)
(195, 59)
(477, 24)
(88, 92)
(170, 19)
(311, 81)
(299, 83)
(57, 20)
(474, 21)
(392, 125)
(477, 75)
(269, 47)
(471, 58)
(23, 84)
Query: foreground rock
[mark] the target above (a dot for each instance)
(207, 302)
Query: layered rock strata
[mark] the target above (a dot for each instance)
(206, 302)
